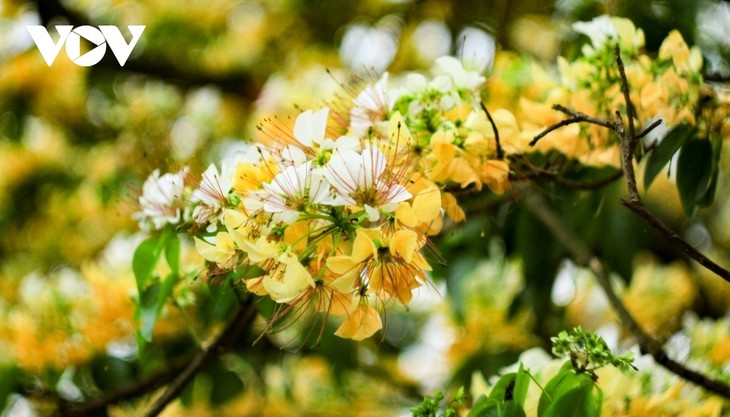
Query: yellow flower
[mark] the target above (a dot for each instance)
(288, 279)
(390, 264)
(448, 164)
(685, 60)
(220, 250)
(250, 177)
(362, 322)
(426, 207)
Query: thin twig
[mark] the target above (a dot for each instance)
(583, 256)
(575, 117)
(635, 204)
(241, 320)
(500, 152)
(670, 234)
(137, 388)
(649, 128)
(627, 160)
(630, 110)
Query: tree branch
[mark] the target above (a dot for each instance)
(584, 257)
(630, 110)
(670, 234)
(132, 390)
(500, 152)
(242, 319)
(575, 117)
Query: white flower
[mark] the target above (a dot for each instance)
(212, 193)
(309, 128)
(370, 106)
(161, 200)
(361, 179)
(604, 28)
(459, 77)
(599, 30)
(291, 191)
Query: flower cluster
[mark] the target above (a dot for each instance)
(664, 87)
(330, 214)
(328, 221)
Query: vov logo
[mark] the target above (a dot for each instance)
(101, 37)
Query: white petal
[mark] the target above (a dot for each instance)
(310, 128)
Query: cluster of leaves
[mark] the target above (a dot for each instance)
(573, 391)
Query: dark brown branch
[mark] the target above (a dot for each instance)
(573, 184)
(583, 256)
(634, 203)
(242, 320)
(670, 234)
(627, 160)
(500, 152)
(649, 128)
(630, 110)
(135, 389)
(575, 117)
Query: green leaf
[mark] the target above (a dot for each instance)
(503, 390)
(151, 301)
(147, 309)
(512, 409)
(694, 172)
(569, 394)
(484, 407)
(226, 386)
(583, 400)
(8, 384)
(172, 253)
(146, 256)
(662, 154)
(522, 383)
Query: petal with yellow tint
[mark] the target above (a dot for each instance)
(403, 244)
(363, 247)
(427, 205)
(360, 324)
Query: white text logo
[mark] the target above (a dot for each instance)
(105, 34)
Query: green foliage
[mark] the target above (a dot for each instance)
(697, 172)
(431, 405)
(588, 352)
(665, 150)
(572, 392)
(153, 290)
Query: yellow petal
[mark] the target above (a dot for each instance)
(453, 210)
(360, 324)
(427, 205)
(403, 243)
(363, 247)
(406, 215)
(261, 250)
(398, 131)
(220, 252)
(289, 280)
(255, 285)
(340, 264)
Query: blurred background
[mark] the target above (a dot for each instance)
(76, 143)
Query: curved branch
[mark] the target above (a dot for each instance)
(575, 117)
(241, 321)
(582, 255)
